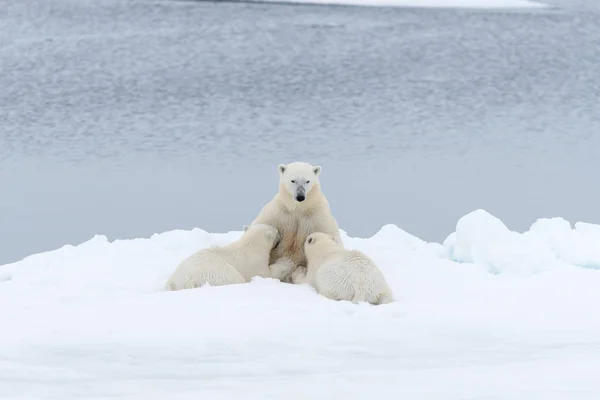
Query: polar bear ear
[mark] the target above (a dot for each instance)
(281, 168)
(317, 170)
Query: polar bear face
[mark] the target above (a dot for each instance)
(317, 242)
(298, 178)
(318, 237)
(264, 234)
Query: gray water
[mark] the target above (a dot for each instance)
(128, 118)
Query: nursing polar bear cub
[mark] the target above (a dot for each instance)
(237, 262)
(341, 274)
(297, 210)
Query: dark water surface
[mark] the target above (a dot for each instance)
(135, 117)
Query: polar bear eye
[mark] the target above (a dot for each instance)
(293, 181)
(310, 240)
(307, 181)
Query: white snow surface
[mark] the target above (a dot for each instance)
(490, 314)
(483, 4)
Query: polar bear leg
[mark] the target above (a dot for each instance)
(385, 298)
(198, 277)
(299, 275)
(226, 276)
(281, 268)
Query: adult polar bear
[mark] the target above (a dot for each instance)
(297, 210)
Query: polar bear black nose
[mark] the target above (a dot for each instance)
(300, 197)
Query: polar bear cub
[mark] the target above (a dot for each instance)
(237, 262)
(341, 274)
(298, 209)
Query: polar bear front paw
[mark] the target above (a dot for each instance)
(281, 268)
(299, 274)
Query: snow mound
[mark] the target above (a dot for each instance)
(482, 4)
(490, 313)
(483, 239)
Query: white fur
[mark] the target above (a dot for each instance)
(295, 219)
(341, 274)
(237, 262)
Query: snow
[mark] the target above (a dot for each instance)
(483, 4)
(490, 313)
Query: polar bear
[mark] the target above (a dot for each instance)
(341, 274)
(237, 262)
(297, 210)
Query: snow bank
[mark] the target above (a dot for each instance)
(483, 4)
(483, 239)
(490, 313)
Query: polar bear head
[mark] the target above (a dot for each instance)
(298, 178)
(262, 235)
(318, 242)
